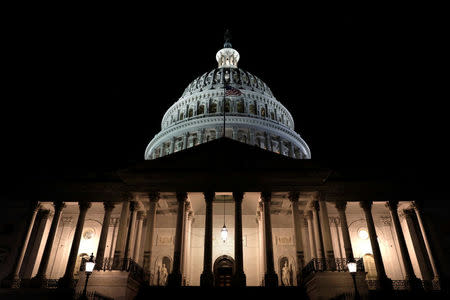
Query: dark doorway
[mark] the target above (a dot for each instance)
(223, 271)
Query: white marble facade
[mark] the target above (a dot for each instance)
(284, 244)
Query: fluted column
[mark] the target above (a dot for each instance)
(317, 230)
(175, 277)
(40, 279)
(293, 197)
(127, 251)
(67, 280)
(385, 282)
(311, 234)
(137, 242)
(326, 233)
(341, 206)
(187, 207)
(151, 219)
(436, 278)
(122, 232)
(187, 260)
(13, 280)
(240, 278)
(207, 278)
(270, 278)
(413, 282)
(100, 257)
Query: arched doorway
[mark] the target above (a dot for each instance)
(223, 271)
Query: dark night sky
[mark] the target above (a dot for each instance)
(88, 90)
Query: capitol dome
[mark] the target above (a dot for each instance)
(252, 114)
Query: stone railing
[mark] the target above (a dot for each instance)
(124, 264)
(92, 296)
(326, 264)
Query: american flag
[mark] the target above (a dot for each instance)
(231, 91)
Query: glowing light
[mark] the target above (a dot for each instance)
(89, 267)
(363, 234)
(351, 267)
(224, 233)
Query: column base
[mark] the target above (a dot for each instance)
(11, 282)
(174, 279)
(385, 284)
(206, 279)
(436, 284)
(38, 282)
(271, 280)
(239, 280)
(66, 283)
(414, 284)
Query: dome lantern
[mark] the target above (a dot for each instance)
(227, 57)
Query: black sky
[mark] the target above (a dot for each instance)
(88, 89)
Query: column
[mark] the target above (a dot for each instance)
(436, 280)
(100, 255)
(13, 280)
(174, 279)
(335, 221)
(187, 207)
(293, 197)
(151, 219)
(270, 278)
(40, 279)
(317, 230)
(385, 282)
(240, 278)
(262, 252)
(207, 278)
(137, 242)
(312, 243)
(127, 251)
(115, 221)
(122, 233)
(419, 247)
(172, 145)
(187, 264)
(67, 280)
(341, 206)
(326, 233)
(413, 282)
(185, 140)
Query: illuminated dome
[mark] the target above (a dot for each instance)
(252, 114)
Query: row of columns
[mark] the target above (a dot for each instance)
(317, 220)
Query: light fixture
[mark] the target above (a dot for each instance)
(224, 232)
(363, 234)
(88, 268)
(351, 265)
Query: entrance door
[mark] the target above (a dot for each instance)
(223, 271)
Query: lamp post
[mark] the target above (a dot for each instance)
(352, 269)
(89, 267)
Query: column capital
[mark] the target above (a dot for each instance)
(315, 206)
(209, 196)
(133, 206)
(341, 205)
(408, 212)
(140, 215)
(109, 206)
(181, 196)
(58, 205)
(366, 205)
(293, 196)
(84, 205)
(238, 196)
(154, 196)
(266, 196)
(45, 213)
(392, 205)
(416, 205)
(126, 196)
